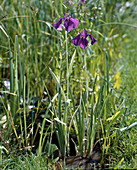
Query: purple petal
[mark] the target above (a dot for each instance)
(65, 15)
(93, 40)
(58, 25)
(68, 25)
(68, 2)
(76, 39)
(83, 0)
(83, 43)
(75, 21)
(84, 34)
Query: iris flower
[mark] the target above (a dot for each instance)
(68, 2)
(81, 2)
(82, 41)
(69, 23)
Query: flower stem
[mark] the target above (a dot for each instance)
(87, 103)
(67, 66)
(86, 78)
(67, 105)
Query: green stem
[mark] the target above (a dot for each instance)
(67, 105)
(86, 75)
(24, 105)
(67, 65)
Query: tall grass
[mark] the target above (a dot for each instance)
(69, 89)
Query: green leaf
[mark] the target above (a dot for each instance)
(57, 81)
(50, 148)
(71, 64)
(129, 127)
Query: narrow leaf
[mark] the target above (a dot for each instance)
(71, 64)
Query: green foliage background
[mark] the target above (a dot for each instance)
(29, 45)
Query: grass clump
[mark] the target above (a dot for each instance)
(64, 100)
